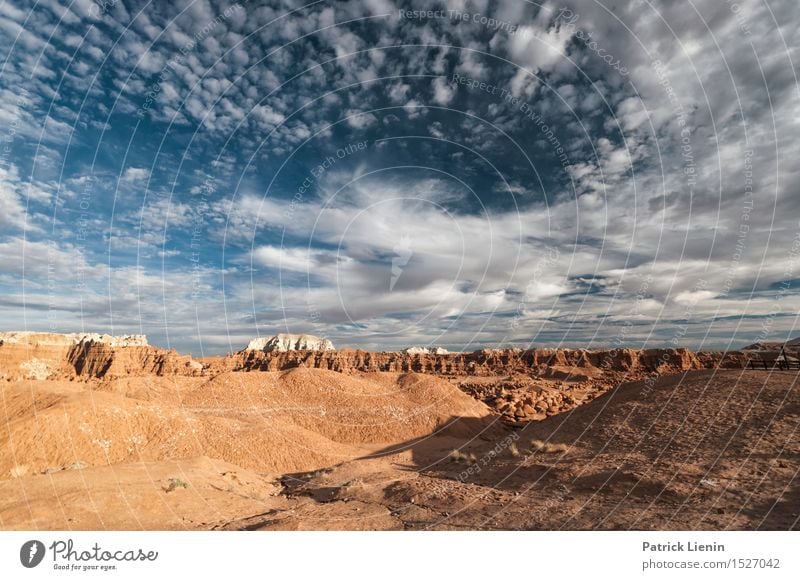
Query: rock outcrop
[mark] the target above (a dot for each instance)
(42, 356)
(520, 385)
(425, 350)
(55, 339)
(792, 346)
(479, 363)
(764, 346)
(290, 342)
(104, 361)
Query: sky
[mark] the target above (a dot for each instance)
(470, 174)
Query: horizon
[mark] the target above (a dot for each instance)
(450, 348)
(386, 177)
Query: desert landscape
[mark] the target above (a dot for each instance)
(107, 432)
(449, 268)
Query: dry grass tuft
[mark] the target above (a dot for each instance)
(354, 484)
(175, 483)
(351, 489)
(546, 447)
(458, 456)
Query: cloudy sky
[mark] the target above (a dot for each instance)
(482, 174)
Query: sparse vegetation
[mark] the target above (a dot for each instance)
(77, 465)
(356, 483)
(175, 483)
(546, 447)
(458, 456)
(318, 473)
(351, 488)
(301, 475)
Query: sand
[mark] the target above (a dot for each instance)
(310, 448)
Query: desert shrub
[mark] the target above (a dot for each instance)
(175, 483)
(457, 455)
(546, 447)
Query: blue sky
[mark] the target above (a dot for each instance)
(484, 174)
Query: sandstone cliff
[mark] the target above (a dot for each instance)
(520, 385)
(101, 360)
(478, 363)
(41, 356)
(55, 339)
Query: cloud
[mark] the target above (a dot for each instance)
(312, 262)
(442, 92)
(680, 170)
(538, 49)
(21, 202)
(40, 263)
(359, 120)
(135, 174)
(13, 214)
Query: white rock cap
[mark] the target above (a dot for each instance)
(287, 342)
(425, 350)
(56, 339)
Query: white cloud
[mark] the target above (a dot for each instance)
(442, 92)
(135, 174)
(313, 262)
(633, 213)
(538, 49)
(360, 120)
(16, 196)
(38, 262)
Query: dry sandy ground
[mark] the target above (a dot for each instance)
(313, 449)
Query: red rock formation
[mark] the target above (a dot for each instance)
(31, 361)
(479, 363)
(59, 356)
(100, 360)
(42, 356)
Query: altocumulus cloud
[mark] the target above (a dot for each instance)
(205, 171)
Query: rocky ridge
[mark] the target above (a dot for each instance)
(54, 339)
(482, 362)
(290, 342)
(520, 385)
(42, 356)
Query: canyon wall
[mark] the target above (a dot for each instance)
(101, 360)
(484, 362)
(43, 356)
